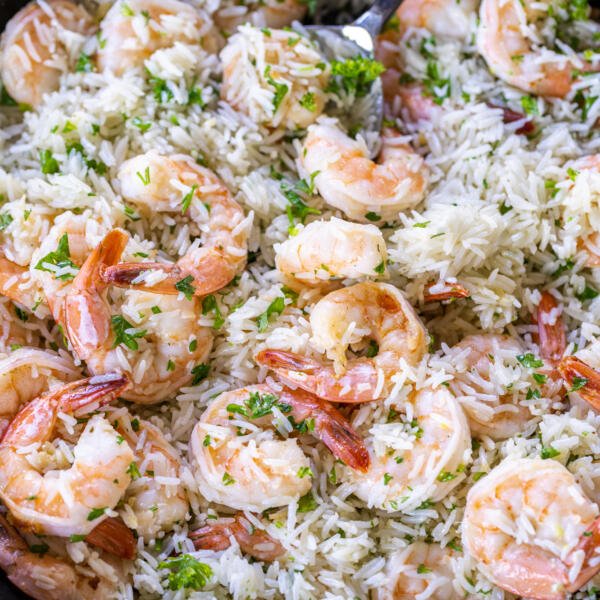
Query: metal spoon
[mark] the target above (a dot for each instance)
(358, 38)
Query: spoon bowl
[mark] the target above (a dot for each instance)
(358, 39)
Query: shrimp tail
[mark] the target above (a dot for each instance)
(551, 330)
(36, 420)
(21, 565)
(114, 537)
(85, 313)
(575, 371)
(206, 275)
(357, 384)
(450, 291)
(590, 544)
(534, 575)
(331, 427)
(254, 542)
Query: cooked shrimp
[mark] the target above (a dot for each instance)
(274, 76)
(580, 204)
(241, 463)
(60, 254)
(35, 51)
(418, 457)
(507, 41)
(551, 330)
(159, 353)
(489, 383)
(531, 529)
(349, 180)
(421, 570)
(342, 318)
(216, 535)
(14, 281)
(441, 291)
(25, 374)
(262, 13)
(443, 18)
(335, 249)
(133, 30)
(74, 500)
(45, 577)
(176, 184)
(156, 495)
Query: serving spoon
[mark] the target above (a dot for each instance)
(358, 39)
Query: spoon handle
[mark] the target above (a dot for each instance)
(373, 19)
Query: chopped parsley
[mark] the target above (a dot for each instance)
(548, 452)
(258, 405)
(423, 569)
(281, 89)
(186, 572)
(308, 102)
(529, 361)
(578, 383)
(143, 126)
(186, 288)
(276, 307)
(5, 220)
(307, 503)
(144, 177)
(133, 471)
(209, 304)
(588, 293)
(48, 163)
(187, 199)
(355, 75)
(76, 538)
(228, 479)
(305, 472)
(61, 258)
(125, 333)
(96, 513)
(530, 105)
(84, 64)
(200, 373)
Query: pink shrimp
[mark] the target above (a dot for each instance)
(377, 308)
(217, 535)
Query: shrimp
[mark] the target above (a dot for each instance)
(349, 180)
(169, 348)
(176, 184)
(490, 383)
(531, 529)
(343, 318)
(263, 13)
(57, 260)
(132, 31)
(72, 501)
(25, 374)
(445, 290)
(415, 458)
(45, 577)
(511, 48)
(255, 542)
(443, 18)
(276, 77)
(14, 281)
(240, 463)
(421, 570)
(335, 249)
(582, 378)
(34, 51)
(551, 330)
(580, 203)
(155, 496)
